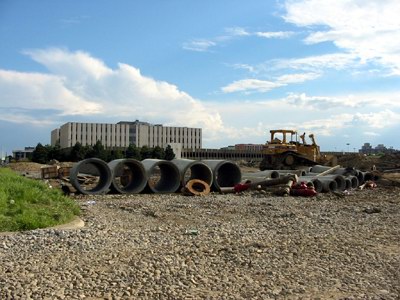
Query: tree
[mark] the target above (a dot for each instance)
(133, 152)
(77, 152)
(116, 154)
(146, 152)
(54, 152)
(40, 154)
(89, 152)
(169, 153)
(99, 151)
(158, 153)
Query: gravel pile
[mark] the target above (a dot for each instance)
(249, 246)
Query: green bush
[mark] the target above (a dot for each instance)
(27, 204)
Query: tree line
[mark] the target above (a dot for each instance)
(43, 154)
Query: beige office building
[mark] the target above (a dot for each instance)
(123, 133)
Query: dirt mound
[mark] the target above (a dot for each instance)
(25, 166)
(367, 162)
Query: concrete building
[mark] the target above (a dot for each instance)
(380, 148)
(249, 147)
(366, 149)
(20, 154)
(124, 133)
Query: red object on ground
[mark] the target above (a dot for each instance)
(240, 187)
(302, 190)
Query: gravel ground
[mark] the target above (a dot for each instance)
(249, 246)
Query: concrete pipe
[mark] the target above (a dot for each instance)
(193, 169)
(305, 169)
(292, 172)
(129, 176)
(225, 173)
(354, 181)
(360, 177)
(340, 180)
(328, 184)
(162, 176)
(346, 171)
(315, 181)
(348, 183)
(91, 176)
(368, 176)
(319, 169)
(264, 174)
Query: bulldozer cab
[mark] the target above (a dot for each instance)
(282, 140)
(282, 136)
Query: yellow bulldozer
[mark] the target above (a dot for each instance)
(287, 150)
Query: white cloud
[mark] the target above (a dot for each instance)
(336, 61)
(275, 34)
(203, 45)
(78, 65)
(256, 85)
(199, 45)
(43, 91)
(371, 133)
(381, 119)
(297, 78)
(372, 100)
(81, 84)
(23, 118)
(246, 67)
(369, 29)
(237, 31)
(250, 85)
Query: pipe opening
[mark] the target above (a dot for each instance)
(348, 184)
(91, 176)
(227, 175)
(317, 185)
(129, 176)
(198, 171)
(164, 178)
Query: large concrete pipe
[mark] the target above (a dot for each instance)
(299, 172)
(91, 176)
(162, 176)
(368, 176)
(315, 181)
(340, 180)
(346, 171)
(225, 173)
(193, 169)
(264, 174)
(354, 181)
(340, 171)
(328, 184)
(319, 169)
(129, 176)
(360, 177)
(348, 183)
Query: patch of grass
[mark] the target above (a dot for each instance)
(27, 204)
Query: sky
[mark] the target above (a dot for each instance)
(236, 69)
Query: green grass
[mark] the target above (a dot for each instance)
(27, 204)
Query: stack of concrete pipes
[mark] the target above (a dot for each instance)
(325, 179)
(129, 176)
(328, 179)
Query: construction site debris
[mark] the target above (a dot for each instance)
(303, 189)
(196, 187)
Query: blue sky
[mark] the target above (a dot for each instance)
(234, 68)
